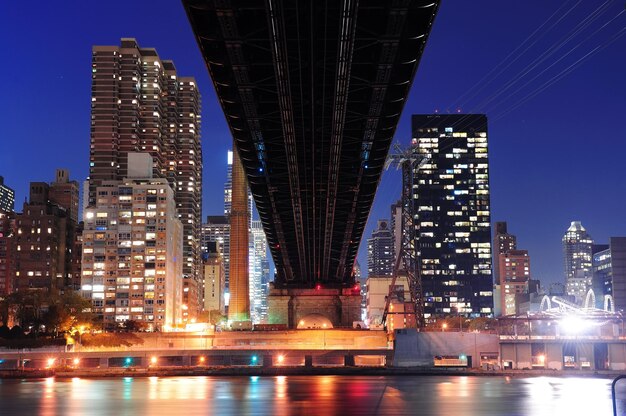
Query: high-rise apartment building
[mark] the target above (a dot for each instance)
(132, 261)
(577, 250)
(7, 197)
(259, 273)
(140, 104)
(216, 229)
(380, 259)
(452, 206)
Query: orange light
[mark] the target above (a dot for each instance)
(51, 362)
(324, 325)
(280, 359)
(202, 359)
(302, 322)
(153, 360)
(542, 358)
(76, 361)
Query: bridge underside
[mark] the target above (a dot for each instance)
(312, 92)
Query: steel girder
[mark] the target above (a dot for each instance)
(312, 92)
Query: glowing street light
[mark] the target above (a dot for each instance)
(444, 327)
(153, 360)
(281, 359)
(76, 361)
(50, 362)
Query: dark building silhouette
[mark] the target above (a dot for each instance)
(7, 252)
(45, 241)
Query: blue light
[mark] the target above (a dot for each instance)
(254, 358)
(128, 360)
(462, 357)
(254, 379)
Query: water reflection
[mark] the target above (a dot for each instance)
(328, 395)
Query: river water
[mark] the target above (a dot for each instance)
(309, 395)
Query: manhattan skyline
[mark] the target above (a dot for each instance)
(554, 158)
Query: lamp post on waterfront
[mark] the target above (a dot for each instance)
(444, 326)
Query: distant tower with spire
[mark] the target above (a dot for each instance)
(577, 250)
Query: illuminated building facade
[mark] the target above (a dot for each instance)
(452, 203)
(7, 197)
(609, 273)
(514, 267)
(45, 237)
(214, 279)
(259, 273)
(132, 263)
(577, 250)
(216, 230)
(7, 238)
(502, 243)
(380, 259)
(140, 104)
(511, 270)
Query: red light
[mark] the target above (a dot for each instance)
(318, 287)
(357, 287)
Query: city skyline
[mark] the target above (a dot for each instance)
(551, 133)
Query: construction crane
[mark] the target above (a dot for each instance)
(410, 161)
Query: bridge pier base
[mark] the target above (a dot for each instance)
(288, 306)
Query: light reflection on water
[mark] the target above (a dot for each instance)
(311, 395)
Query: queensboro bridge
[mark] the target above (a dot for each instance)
(312, 92)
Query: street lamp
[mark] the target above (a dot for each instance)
(444, 326)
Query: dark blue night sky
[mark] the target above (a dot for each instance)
(548, 74)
